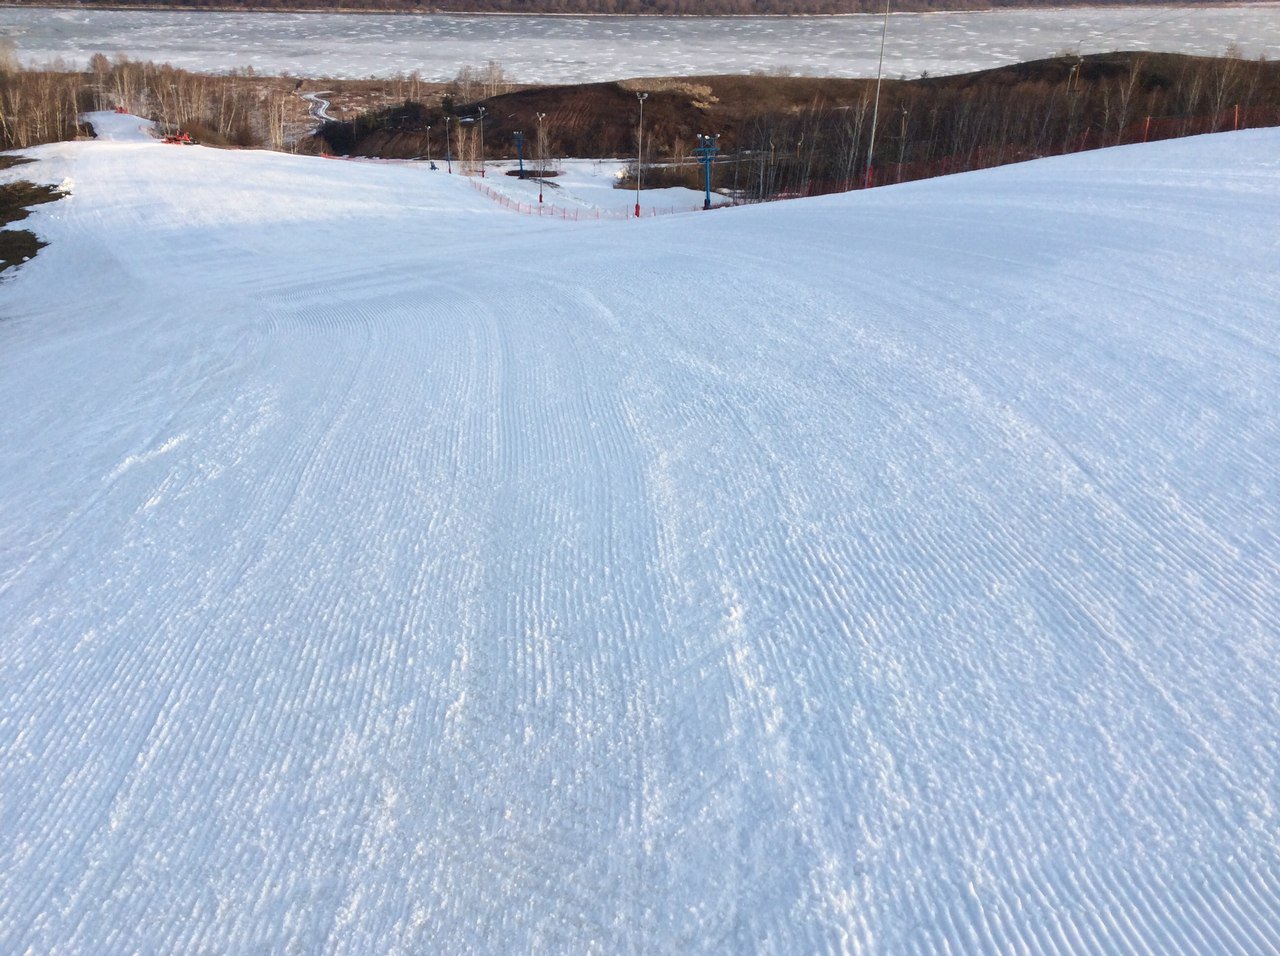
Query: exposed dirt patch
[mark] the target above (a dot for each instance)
(16, 200)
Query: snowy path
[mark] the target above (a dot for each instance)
(895, 572)
(319, 109)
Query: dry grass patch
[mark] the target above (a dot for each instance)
(16, 200)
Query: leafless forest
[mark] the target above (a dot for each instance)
(778, 135)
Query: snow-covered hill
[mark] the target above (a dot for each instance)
(382, 571)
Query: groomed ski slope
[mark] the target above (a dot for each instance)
(896, 572)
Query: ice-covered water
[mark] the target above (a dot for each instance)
(570, 49)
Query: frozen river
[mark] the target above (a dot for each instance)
(569, 49)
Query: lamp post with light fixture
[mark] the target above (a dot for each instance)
(542, 154)
(639, 148)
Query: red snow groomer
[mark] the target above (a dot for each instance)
(180, 139)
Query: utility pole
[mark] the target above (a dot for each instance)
(902, 143)
(706, 152)
(875, 112)
(482, 142)
(430, 164)
(639, 148)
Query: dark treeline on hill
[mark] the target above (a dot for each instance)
(778, 135)
(682, 8)
(784, 135)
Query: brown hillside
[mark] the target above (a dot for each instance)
(801, 134)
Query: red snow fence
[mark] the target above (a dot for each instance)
(574, 213)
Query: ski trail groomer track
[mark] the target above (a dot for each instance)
(880, 573)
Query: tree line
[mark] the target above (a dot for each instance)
(236, 108)
(779, 136)
(36, 106)
(928, 127)
(786, 136)
(42, 104)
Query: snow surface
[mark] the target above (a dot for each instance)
(580, 49)
(587, 185)
(896, 572)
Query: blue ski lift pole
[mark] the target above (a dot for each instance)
(706, 152)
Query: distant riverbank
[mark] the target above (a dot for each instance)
(409, 8)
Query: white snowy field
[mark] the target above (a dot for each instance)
(582, 187)
(561, 49)
(895, 572)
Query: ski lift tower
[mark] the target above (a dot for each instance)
(706, 152)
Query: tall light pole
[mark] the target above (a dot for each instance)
(875, 112)
(520, 151)
(430, 164)
(640, 148)
(542, 154)
(482, 142)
